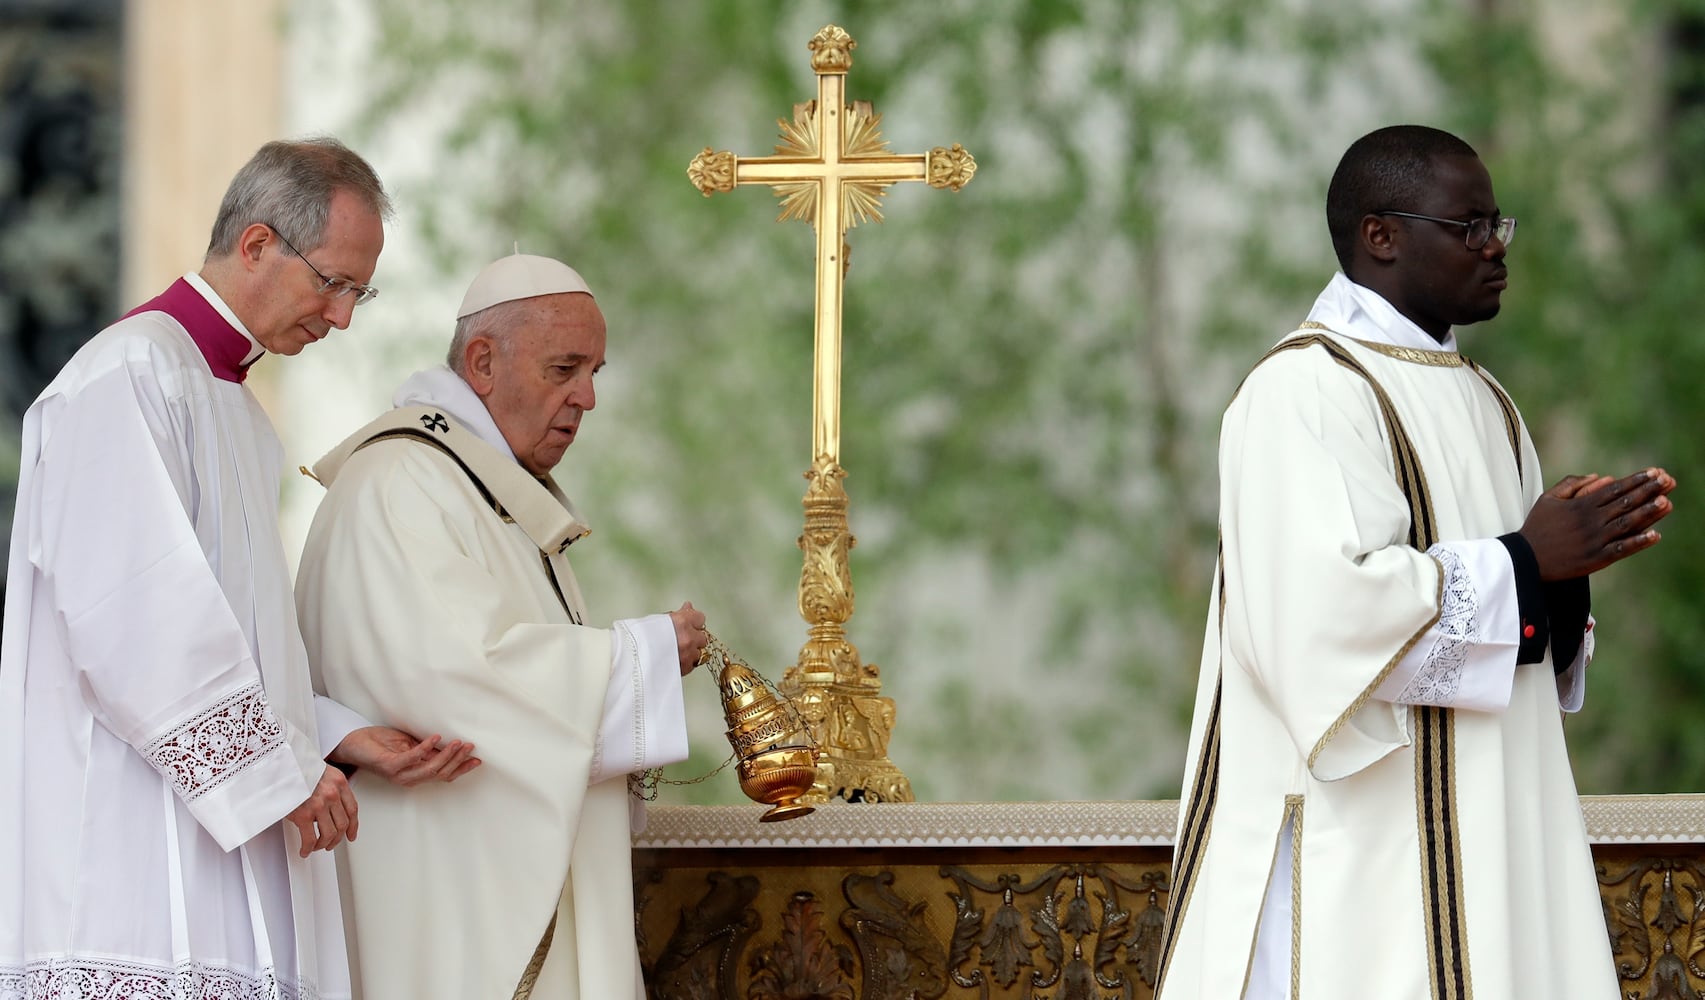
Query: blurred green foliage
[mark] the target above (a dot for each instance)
(1034, 368)
(1598, 340)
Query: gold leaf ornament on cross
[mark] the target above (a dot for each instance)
(831, 50)
(860, 168)
(711, 172)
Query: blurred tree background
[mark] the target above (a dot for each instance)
(1034, 368)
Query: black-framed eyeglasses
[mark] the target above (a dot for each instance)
(1479, 231)
(334, 288)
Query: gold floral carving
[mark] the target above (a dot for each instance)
(1654, 909)
(836, 693)
(901, 957)
(950, 168)
(831, 50)
(1073, 931)
(700, 959)
(804, 962)
(1049, 926)
(1045, 892)
(712, 172)
(1018, 930)
(825, 582)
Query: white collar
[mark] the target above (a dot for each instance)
(1360, 312)
(442, 388)
(206, 291)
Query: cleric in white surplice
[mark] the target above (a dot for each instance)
(1378, 801)
(163, 775)
(435, 594)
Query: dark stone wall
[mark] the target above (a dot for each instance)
(61, 98)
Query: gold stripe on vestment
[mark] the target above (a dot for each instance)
(1293, 805)
(1435, 752)
(1405, 465)
(1512, 416)
(1197, 811)
(1444, 359)
(1286, 816)
(1411, 480)
(1441, 852)
(530, 975)
(1441, 858)
(1413, 355)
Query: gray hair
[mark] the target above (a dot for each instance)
(493, 323)
(289, 186)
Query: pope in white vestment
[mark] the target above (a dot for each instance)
(156, 713)
(1327, 859)
(435, 593)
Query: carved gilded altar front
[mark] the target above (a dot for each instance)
(998, 922)
(1040, 901)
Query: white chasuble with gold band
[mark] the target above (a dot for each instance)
(1377, 798)
(435, 596)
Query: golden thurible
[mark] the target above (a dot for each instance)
(776, 757)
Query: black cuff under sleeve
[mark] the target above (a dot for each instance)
(1530, 599)
(1567, 602)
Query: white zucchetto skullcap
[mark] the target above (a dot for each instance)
(519, 276)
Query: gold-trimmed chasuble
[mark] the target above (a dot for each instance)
(832, 168)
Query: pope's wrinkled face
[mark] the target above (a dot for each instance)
(537, 376)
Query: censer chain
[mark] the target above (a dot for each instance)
(644, 784)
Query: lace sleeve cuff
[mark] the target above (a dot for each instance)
(210, 748)
(232, 766)
(1467, 659)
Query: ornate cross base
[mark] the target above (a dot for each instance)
(838, 695)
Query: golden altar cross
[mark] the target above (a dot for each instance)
(832, 169)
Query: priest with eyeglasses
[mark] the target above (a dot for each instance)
(1377, 798)
(170, 785)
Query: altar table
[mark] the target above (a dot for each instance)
(1056, 900)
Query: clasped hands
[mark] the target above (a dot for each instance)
(1585, 523)
(330, 813)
